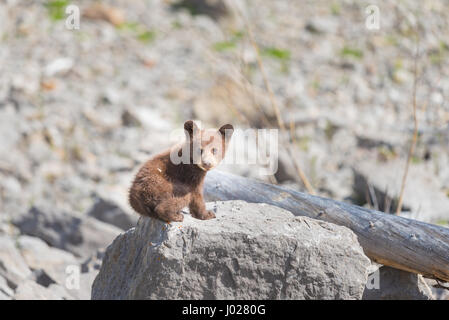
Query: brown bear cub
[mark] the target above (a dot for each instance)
(174, 179)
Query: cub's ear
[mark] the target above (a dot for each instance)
(190, 127)
(226, 131)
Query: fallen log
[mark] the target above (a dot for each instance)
(388, 239)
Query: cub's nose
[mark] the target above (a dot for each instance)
(207, 164)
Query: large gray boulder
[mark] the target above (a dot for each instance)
(250, 251)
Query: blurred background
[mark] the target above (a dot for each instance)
(82, 109)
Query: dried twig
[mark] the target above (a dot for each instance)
(275, 106)
(373, 196)
(415, 130)
(387, 201)
(440, 285)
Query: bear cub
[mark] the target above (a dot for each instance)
(174, 179)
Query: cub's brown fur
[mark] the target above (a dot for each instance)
(162, 187)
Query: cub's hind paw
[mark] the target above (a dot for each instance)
(210, 215)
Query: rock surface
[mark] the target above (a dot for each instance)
(30, 290)
(439, 289)
(396, 284)
(251, 251)
(13, 267)
(424, 198)
(39, 256)
(109, 212)
(6, 292)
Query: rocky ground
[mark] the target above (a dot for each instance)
(81, 109)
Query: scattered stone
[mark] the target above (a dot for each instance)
(148, 118)
(396, 284)
(93, 263)
(79, 235)
(130, 120)
(320, 26)
(58, 66)
(286, 171)
(30, 290)
(440, 290)
(111, 96)
(86, 281)
(423, 197)
(101, 11)
(3, 296)
(42, 278)
(213, 8)
(13, 267)
(111, 213)
(49, 263)
(88, 271)
(6, 292)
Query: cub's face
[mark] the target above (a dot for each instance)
(208, 147)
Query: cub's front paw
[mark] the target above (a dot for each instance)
(209, 215)
(206, 215)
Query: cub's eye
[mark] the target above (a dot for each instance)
(214, 151)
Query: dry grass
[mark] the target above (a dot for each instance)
(276, 109)
(415, 130)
